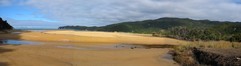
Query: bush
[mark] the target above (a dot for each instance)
(235, 38)
(194, 34)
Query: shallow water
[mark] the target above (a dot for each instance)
(168, 57)
(99, 47)
(18, 42)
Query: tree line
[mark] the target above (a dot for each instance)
(180, 28)
(207, 34)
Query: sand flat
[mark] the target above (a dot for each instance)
(50, 55)
(83, 49)
(128, 38)
(91, 37)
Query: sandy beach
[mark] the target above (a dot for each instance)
(90, 37)
(84, 48)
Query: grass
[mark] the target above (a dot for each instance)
(208, 44)
(183, 54)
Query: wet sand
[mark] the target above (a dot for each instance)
(71, 48)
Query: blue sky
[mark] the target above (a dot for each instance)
(54, 13)
(22, 15)
(18, 12)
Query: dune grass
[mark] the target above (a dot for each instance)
(209, 44)
(183, 54)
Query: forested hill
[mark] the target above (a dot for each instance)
(149, 26)
(4, 25)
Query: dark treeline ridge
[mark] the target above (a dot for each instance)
(4, 25)
(180, 28)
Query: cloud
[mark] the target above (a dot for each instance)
(32, 23)
(102, 12)
(5, 2)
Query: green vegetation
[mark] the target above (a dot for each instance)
(180, 28)
(220, 32)
(184, 54)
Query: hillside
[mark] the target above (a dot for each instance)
(179, 28)
(149, 26)
(4, 25)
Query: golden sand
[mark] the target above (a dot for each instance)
(89, 50)
(91, 37)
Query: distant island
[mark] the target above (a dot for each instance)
(180, 28)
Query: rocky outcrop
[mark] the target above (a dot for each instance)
(218, 57)
(4, 25)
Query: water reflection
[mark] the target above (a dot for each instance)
(17, 42)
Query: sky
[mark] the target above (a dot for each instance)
(54, 13)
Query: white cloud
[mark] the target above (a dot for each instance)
(95, 12)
